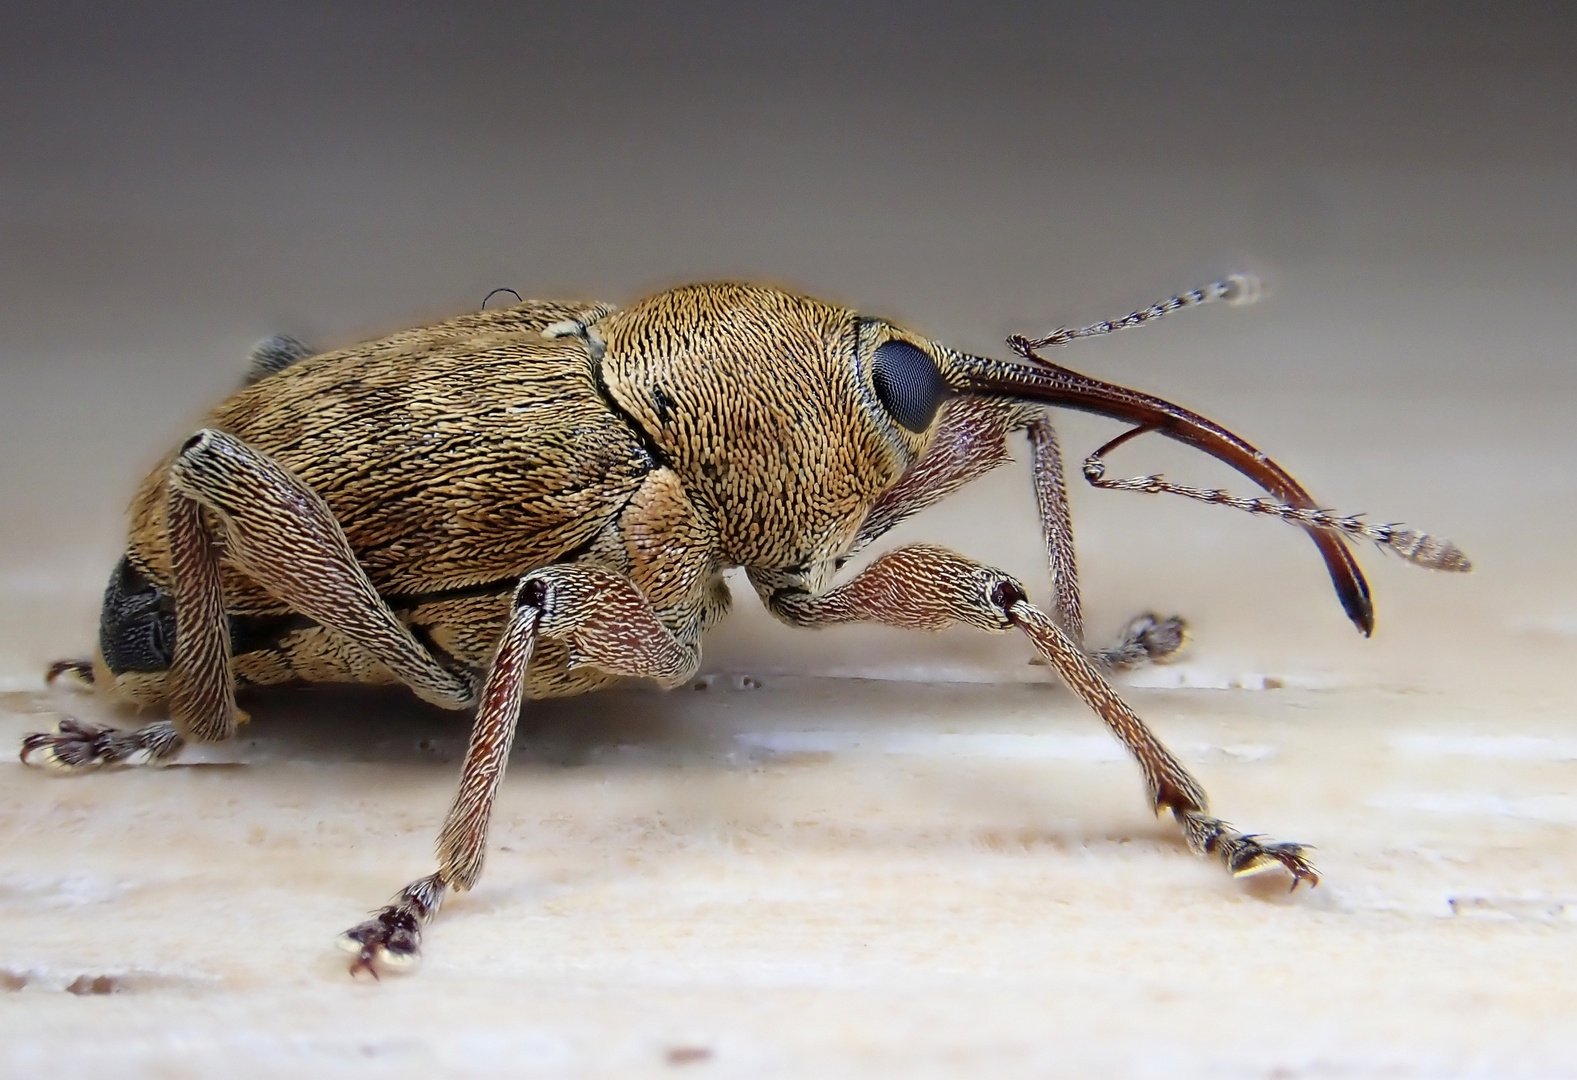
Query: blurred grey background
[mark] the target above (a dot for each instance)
(177, 180)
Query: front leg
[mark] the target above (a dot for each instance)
(927, 588)
(971, 440)
(608, 624)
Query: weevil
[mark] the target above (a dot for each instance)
(540, 500)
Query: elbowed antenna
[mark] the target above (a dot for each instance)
(1053, 384)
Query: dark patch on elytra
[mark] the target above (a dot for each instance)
(275, 354)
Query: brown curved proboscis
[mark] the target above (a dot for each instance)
(1056, 385)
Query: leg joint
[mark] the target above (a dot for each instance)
(1006, 594)
(532, 593)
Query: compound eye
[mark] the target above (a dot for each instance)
(909, 385)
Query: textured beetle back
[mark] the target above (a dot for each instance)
(452, 455)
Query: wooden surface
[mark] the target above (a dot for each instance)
(836, 876)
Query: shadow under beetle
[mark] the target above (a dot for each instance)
(539, 500)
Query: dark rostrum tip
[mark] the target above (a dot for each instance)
(1358, 605)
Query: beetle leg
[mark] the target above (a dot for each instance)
(284, 536)
(608, 624)
(76, 746)
(1056, 524)
(391, 938)
(202, 687)
(1148, 637)
(79, 669)
(927, 588)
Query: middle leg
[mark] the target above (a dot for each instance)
(608, 624)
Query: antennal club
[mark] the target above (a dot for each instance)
(1234, 289)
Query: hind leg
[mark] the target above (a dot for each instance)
(285, 537)
(202, 690)
(78, 745)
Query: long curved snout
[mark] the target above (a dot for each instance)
(1052, 384)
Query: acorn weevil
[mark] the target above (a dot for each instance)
(538, 500)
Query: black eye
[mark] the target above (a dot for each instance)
(908, 384)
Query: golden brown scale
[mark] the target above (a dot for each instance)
(541, 500)
(466, 454)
